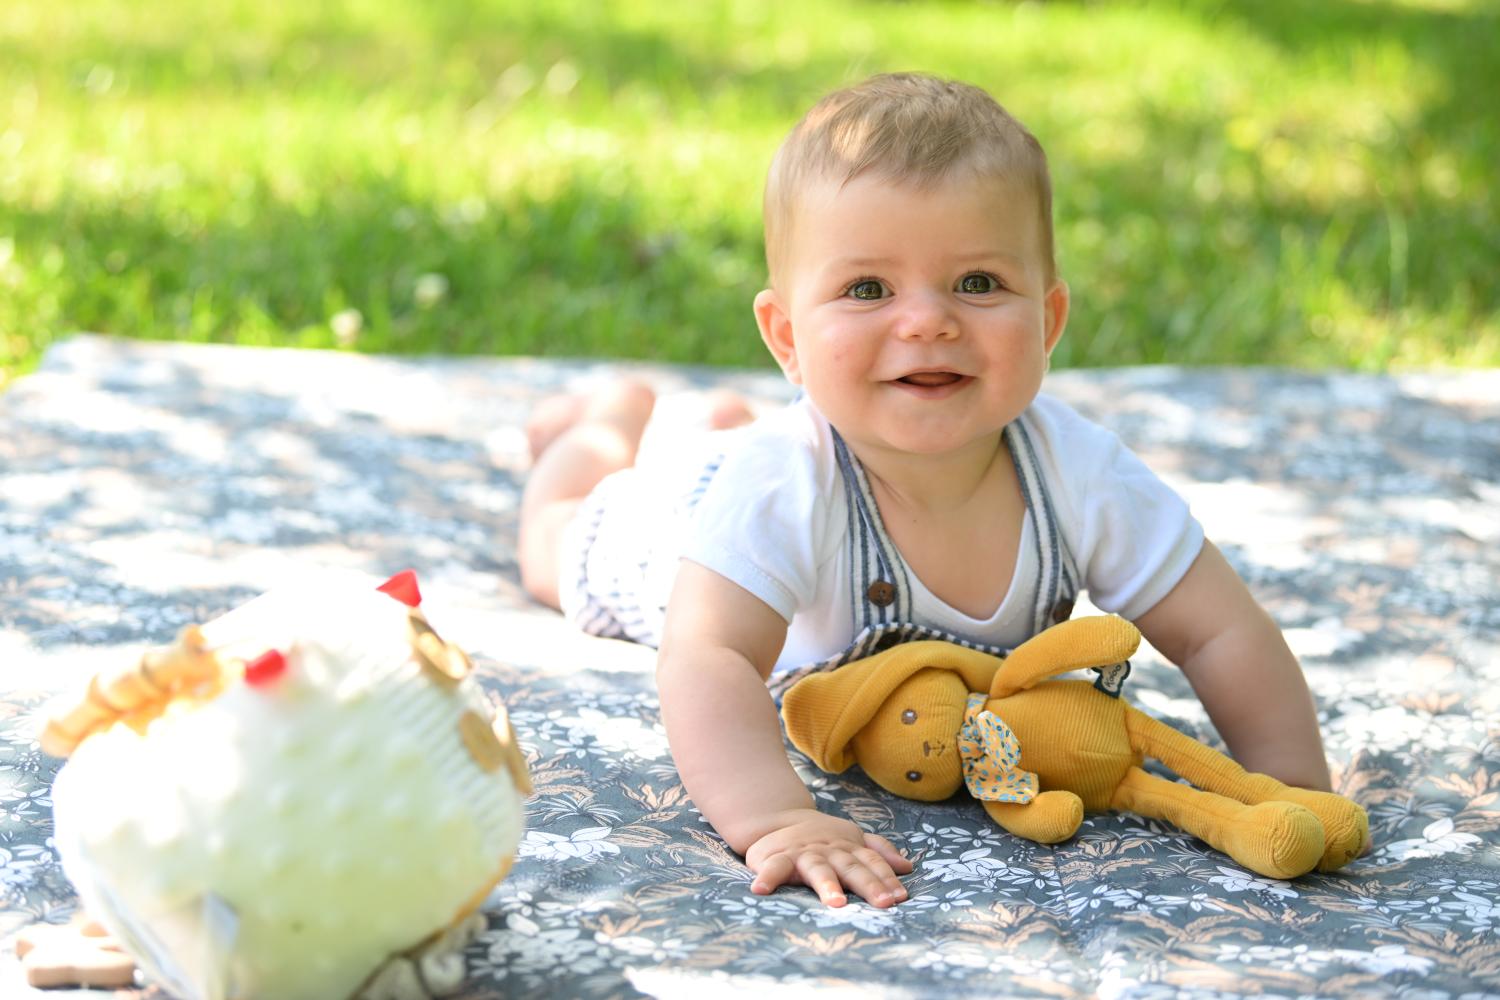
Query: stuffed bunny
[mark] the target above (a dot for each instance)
(923, 718)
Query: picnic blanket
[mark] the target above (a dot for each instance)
(147, 486)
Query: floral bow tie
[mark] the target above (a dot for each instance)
(992, 756)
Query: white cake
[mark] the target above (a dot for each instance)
(282, 832)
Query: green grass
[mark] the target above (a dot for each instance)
(1265, 181)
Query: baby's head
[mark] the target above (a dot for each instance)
(907, 129)
(913, 292)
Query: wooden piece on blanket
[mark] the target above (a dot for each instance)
(78, 953)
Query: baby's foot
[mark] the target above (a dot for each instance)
(727, 408)
(549, 419)
(622, 405)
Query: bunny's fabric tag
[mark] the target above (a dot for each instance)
(1111, 679)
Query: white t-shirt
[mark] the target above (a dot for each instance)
(775, 519)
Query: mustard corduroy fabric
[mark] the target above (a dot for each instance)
(824, 711)
(898, 714)
(1095, 641)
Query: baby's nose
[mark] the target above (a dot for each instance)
(925, 316)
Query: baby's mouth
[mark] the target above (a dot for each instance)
(930, 380)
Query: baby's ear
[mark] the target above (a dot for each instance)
(775, 323)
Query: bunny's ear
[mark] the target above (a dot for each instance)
(824, 711)
(1096, 641)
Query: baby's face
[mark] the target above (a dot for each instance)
(918, 320)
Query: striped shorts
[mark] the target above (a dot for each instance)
(618, 555)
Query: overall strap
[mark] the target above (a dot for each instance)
(1057, 582)
(880, 588)
(875, 559)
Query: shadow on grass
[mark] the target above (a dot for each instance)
(1262, 274)
(1158, 273)
(1273, 271)
(435, 53)
(576, 273)
(1457, 46)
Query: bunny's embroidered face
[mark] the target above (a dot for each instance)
(910, 745)
(897, 714)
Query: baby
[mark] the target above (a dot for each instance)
(919, 487)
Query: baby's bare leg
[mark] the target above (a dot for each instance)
(555, 414)
(549, 419)
(603, 439)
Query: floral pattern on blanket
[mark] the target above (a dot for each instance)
(1130, 908)
(1361, 509)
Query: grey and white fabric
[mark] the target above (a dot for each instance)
(146, 486)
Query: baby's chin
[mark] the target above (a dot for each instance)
(912, 438)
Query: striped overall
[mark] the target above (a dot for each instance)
(881, 612)
(881, 609)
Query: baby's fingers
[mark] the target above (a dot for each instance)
(819, 876)
(773, 871)
(871, 877)
(898, 862)
(811, 870)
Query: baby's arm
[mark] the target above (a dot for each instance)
(1242, 670)
(718, 646)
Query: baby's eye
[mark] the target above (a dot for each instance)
(866, 290)
(978, 283)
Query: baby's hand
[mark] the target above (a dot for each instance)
(828, 855)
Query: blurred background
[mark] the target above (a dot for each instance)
(1266, 181)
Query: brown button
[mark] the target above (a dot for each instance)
(1063, 611)
(909, 717)
(881, 593)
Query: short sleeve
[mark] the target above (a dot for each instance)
(765, 521)
(1131, 535)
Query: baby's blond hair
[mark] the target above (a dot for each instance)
(908, 128)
